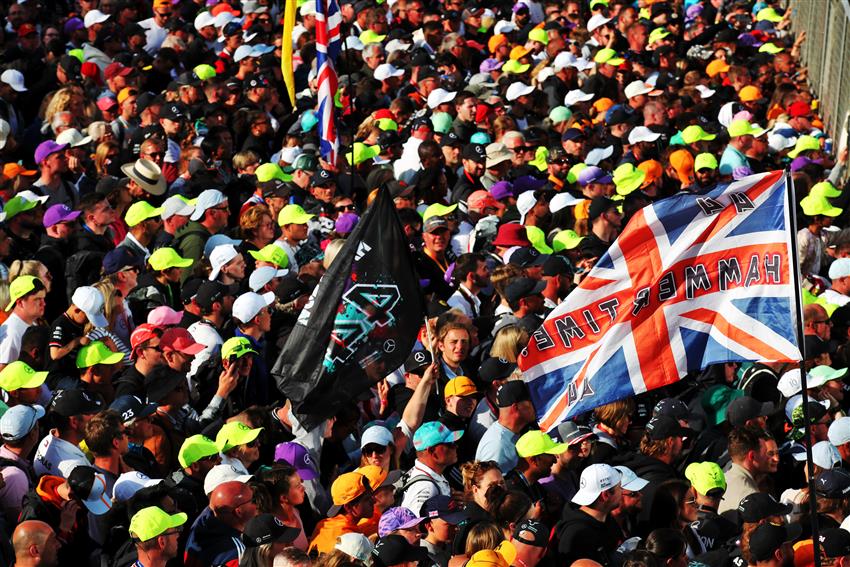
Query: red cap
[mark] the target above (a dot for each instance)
(482, 111)
(106, 102)
(90, 70)
(511, 234)
(384, 113)
(116, 69)
(480, 200)
(144, 333)
(798, 109)
(26, 29)
(179, 339)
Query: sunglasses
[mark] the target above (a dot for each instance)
(342, 208)
(156, 155)
(374, 449)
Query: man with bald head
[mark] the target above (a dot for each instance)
(214, 539)
(35, 544)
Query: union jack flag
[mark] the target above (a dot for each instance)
(693, 280)
(328, 42)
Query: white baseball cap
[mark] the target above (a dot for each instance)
(525, 202)
(597, 155)
(129, 483)
(790, 383)
(263, 275)
(308, 8)
(642, 134)
(631, 481)
(90, 301)
(14, 79)
(386, 70)
(174, 205)
(376, 434)
(220, 256)
(517, 90)
(223, 18)
(203, 20)
(396, 45)
(595, 480)
(94, 17)
(352, 42)
(250, 303)
(504, 26)
(73, 138)
(208, 199)
(839, 431)
(562, 201)
(440, 96)
(356, 545)
(242, 52)
(597, 21)
(220, 474)
(796, 401)
(576, 95)
(705, 92)
(824, 454)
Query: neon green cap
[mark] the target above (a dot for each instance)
(816, 205)
(235, 433)
(236, 346)
(97, 352)
(204, 72)
(165, 258)
(387, 124)
(271, 253)
(572, 174)
(437, 210)
(19, 287)
(705, 160)
(695, 133)
(706, 477)
(628, 178)
(657, 35)
(515, 67)
(194, 449)
(769, 14)
(370, 36)
(804, 144)
(609, 56)
(539, 34)
(153, 521)
(771, 48)
(826, 189)
(535, 442)
(17, 205)
(538, 239)
(541, 155)
(742, 127)
(19, 374)
(595, 3)
(293, 214)
(269, 171)
(566, 240)
(78, 53)
(362, 152)
(141, 211)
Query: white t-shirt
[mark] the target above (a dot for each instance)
(57, 457)
(154, 35)
(11, 333)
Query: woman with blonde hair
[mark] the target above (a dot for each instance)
(509, 342)
(478, 477)
(105, 155)
(256, 227)
(481, 535)
(612, 425)
(114, 311)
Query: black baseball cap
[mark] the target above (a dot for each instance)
(161, 381)
(148, 99)
(664, 426)
(444, 508)
(532, 532)
(190, 289)
(274, 188)
(119, 259)
(570, 432)
(132, 407)
(210, 292)
(388, 139)
(598, 206)
(760, 505)
(436, 307)
(322, 177)
(746, 408)
(417, 361)
(450, 139)
(675, 408)
(266, 528)
(68, 403)
(768, 538)
(495, 368)
(394, 550)
(835, 542)
(173, 111)
(474, 152)
(512, 392)
(833, 483)
(527, 256)
(71, 66)
(523, 287)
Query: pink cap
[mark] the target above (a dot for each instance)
(164, 315)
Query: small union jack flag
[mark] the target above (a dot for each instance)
(693, 280)
(328, 42)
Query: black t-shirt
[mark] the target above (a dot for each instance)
(64, 331)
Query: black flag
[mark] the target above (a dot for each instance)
(360, 323)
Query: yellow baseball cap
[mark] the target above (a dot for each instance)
(437, 210)
(374, 474)
(768, 14)
(153, 521)
(194, 449)
(609, 56)
(234, 434)
(503, 556)
(19, 374)
(742, 127)
(97, 352)
(165, 258)
(826, 189)
(771, 48)
(815, 205)
(141, 211)
(695, 133)
(705, 161)
(269, 171)
(293, 214)
(566, 240)
(236, 346)
(370, 36)
(271, 253)
(539, 34)
(21, 286)
(705, 477)
(716, 67)
(535, 442)
(460, 386)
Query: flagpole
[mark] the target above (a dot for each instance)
(798, 300)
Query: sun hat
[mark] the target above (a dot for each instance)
(147, 175)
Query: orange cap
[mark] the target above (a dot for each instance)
(750, 93)
(161, 4)
(11, 170)
(497, 40)
(653, 170)
(518, 52)
(683, 162)
(716, 67)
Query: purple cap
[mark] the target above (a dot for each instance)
(59, 213)
(519, 6)
(72, 25)
(748, 40)
(693, 11)
(397, 518)
(502, 190)
(346, 222)
(297, 456)
(593, 174)
(802, 161)
(741, 172)
(489, 65)
(47, 148)
(527, 183)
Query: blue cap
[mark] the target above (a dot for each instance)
(218, 240)
(18, 421)
(434, 433)
(121, 258)
(132, 407)
(208, 199)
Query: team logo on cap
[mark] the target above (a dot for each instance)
(419, 356)
(278, 522)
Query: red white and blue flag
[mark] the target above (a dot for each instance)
(328, 43)
(693, 280)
